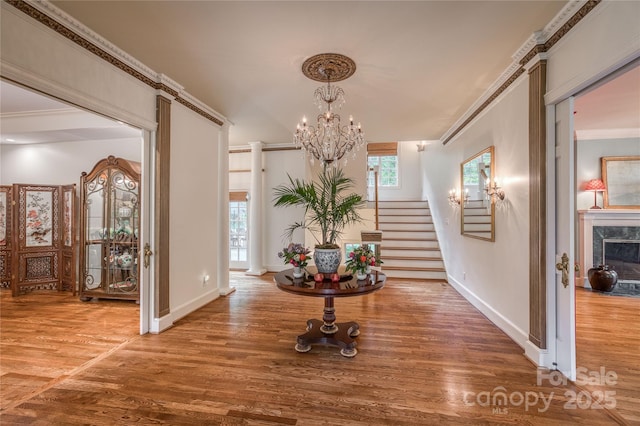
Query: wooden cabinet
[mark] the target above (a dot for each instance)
(109, 229)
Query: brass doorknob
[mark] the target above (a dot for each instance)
(564, 267)
(147, 255)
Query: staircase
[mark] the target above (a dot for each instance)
(409, 247)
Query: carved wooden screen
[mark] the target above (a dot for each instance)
(37, 240)
(68, 223)
(6, 198)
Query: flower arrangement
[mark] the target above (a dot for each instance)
(296, 254)
(360, 259)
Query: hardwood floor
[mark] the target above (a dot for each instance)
(426, 356)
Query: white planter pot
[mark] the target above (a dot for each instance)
(327, 260)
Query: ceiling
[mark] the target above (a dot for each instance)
(28, 117)
(420, 64)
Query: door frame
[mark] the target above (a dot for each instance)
(563, 344)
(551, 100)
(147, 135)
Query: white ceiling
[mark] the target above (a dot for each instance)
(27, 117)
(420, 64)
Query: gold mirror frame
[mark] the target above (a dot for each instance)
(477, 217)
(621, 176)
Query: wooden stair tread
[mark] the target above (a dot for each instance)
(408, 230)
(383, 247)
(411, 268)
(409, 239)
(411, 258)
(408, 215)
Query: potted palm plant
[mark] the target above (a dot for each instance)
(329, 207)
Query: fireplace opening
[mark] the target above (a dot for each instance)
(623, 256)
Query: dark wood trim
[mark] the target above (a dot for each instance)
(265, 149)
(162, 184)
(382, 148)
(238, 195)
(69, 34)
(537, 205)
(540, 48)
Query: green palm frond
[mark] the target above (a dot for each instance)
(327, 207)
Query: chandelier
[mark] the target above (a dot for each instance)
(329, 140)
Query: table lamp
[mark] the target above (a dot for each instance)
(595, 185)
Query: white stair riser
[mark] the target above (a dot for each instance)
(399, 243)
(412, 263)
(383, 220)
(477, 212)
(403, 204)
(386, 227)
(409, 253)
(477, 219)
(403, 212)
(477, 227)
(392, 235)
(425, 275)
(479, 234)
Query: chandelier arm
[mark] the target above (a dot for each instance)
(329, 141)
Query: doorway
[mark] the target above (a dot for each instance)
(47, 141)
(607, 125)
(238, 230)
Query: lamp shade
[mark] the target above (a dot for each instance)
(595, 185)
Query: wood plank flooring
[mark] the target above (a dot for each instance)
(426, 356)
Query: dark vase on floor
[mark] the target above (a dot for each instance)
(602, 278)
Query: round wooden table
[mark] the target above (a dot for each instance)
(327, 331)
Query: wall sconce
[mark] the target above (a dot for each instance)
(494, 191)
(422, 146)
(595, 185)
(455, 199)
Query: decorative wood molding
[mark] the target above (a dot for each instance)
(162, 206)
(73, 30)
(538, 43)
(264, 149)
(537, 205)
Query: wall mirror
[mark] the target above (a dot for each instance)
(478, 212)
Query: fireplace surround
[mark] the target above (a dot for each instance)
(599, 227)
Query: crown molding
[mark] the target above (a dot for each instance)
(536, 46)
(59, 21)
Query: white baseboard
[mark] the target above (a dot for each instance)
(540, 357)
(516, 334)
(158, 325)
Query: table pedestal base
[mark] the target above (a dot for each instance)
(342, 337)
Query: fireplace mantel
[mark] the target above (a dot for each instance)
(587, 219)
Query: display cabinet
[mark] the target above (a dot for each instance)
(109, 229)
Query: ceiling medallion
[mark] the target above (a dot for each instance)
(320, 67)
(329, 140)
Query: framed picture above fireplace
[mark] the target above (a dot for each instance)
(621, 176)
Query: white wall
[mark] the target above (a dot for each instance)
(492, 275)
(606, 39)
(409, 185)
(40, 58)
(37, 57)
(194, 212)
(277, 165)
(60, 163)
(588, 155)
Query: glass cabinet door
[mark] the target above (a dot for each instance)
(95, 231)
(109, 232)
(124, 222)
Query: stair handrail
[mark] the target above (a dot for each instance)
(375, 169)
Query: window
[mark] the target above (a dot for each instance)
(388, 174)
(384, 155)
(238, 227)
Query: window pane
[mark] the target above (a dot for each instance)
(388, 175)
